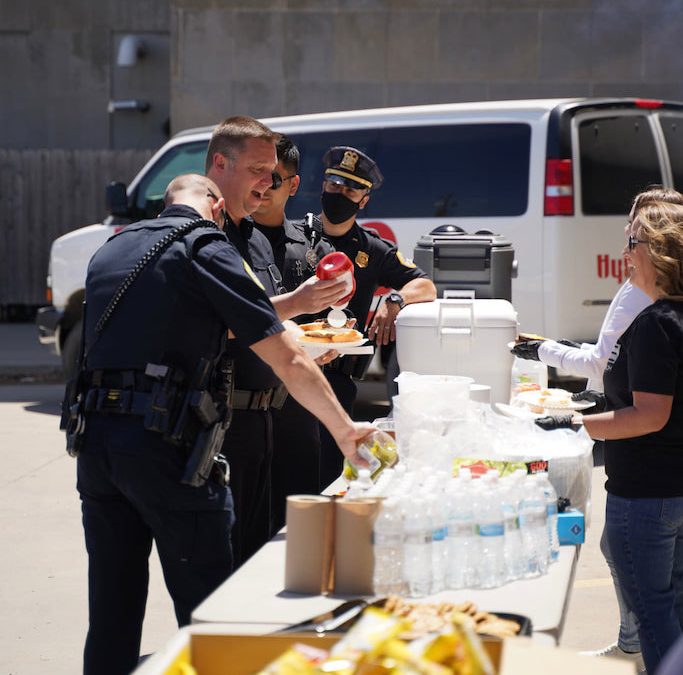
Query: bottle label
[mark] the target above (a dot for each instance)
(439, 534)
(511, 522)
(460, 529)
(491, 530)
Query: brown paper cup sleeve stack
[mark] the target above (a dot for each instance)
(310, 540)
(353, 555)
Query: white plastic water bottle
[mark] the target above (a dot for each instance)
(533, 520)
(439, 521)
(417, 548)
(491, 530)
(551, 508)
(513, 548)
(462, 543)
(387, 545)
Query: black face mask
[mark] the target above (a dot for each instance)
(337, 207)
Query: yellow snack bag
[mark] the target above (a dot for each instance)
(368, 634)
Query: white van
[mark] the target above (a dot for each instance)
(556, 177)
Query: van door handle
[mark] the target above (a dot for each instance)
(596, 303)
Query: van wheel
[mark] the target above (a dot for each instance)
(71, 349)
(393, 370)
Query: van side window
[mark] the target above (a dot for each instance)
(618, 159)
(672, 127)
(466, 170)
(184, 158)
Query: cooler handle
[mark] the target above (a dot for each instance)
(466, 302)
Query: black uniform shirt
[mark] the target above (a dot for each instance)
(297, 250)
(250, 371)
(180, 306)
(648, 357)
(376, 262)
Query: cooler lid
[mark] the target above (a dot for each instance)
(455, 313)
(463, 239)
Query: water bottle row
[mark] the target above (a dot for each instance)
(461, 533)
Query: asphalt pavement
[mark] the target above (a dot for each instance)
(23, 359)
(43, 568)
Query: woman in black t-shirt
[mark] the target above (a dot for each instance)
(643, 434)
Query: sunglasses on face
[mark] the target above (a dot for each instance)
(633, 242)
(278, 180)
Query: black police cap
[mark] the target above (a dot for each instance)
(348, 166)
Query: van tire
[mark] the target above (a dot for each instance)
(71, 349)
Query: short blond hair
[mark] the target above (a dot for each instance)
(229, 136)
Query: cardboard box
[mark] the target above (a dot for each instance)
(571, 527)
(210, 650)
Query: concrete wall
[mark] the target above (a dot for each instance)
(273, 57)
(57, 73)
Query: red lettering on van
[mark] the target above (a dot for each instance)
(611, 267)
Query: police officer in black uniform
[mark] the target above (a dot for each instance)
(152, 391)
(258, 392)
(298, 245)
(349, 177)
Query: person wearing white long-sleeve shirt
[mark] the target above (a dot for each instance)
(589, 360)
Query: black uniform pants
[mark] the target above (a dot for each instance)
(248, 447)
(331, 459)
(296, 457)
(129, 483)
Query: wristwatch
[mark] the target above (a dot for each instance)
(397, 298)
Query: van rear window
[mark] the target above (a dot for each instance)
(618, 158)
(672, 126)
(466, 170)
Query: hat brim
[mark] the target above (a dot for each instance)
(342, 180)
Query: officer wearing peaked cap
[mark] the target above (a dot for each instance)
(349, 177)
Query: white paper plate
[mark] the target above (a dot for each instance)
(516, 412)
(530, 398)
(357, 347)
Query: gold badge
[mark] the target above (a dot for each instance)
(350, 160)
(250, 272)
(311, 257)
(362, 259)
(403, 261)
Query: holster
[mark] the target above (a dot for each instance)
(73, 419)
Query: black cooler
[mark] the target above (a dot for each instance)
(482, 262)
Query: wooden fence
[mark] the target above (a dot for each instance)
(44, 194)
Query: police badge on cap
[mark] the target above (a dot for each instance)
(348, 166)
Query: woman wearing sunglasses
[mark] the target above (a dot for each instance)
(643, 434)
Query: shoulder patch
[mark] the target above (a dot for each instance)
(403, 261)
(250, 272)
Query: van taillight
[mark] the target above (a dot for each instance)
(559, 188)
(648, 103)
(48, 295)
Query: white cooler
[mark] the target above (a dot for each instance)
(459, 337)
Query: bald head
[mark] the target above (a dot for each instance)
(195, 190)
